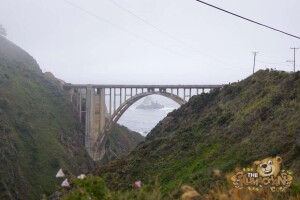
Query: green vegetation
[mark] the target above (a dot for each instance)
(121, 141)
(37, 138)
(39, 132)
(94, 187)
(227, 128)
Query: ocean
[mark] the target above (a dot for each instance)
(143, 121)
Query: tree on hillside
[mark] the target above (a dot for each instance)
(2, 30)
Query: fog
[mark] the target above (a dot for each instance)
(98, 42)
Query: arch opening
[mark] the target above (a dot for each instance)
(101, 140)
(129, 102)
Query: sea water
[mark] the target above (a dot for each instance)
(143, 121)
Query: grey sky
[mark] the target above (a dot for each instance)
(80, 48)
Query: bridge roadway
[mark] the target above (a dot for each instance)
(99, 107)
(68, 85)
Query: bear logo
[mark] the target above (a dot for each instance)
(268, 167)
(265, 173)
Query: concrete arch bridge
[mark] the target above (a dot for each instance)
(101, 106)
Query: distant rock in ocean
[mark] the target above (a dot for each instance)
(149, 104)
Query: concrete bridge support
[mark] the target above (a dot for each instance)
(95, 118)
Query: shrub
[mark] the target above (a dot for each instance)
(3, 104)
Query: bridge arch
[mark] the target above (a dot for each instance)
(123, 107)
(91, 104)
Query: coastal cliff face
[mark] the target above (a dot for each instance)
(39, 130)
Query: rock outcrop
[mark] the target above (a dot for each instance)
(149, 104)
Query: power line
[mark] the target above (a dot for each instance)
(138, 36)
(267, 62)
(247, 19)
(123, 29)
(165, 33)
(272, 57)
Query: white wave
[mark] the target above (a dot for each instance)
(143, 133)
(165, 108)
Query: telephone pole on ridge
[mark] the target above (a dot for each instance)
(294, 48)
(254, 53)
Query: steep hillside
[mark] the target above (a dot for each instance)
(37, 138)
(227, 128)
(39, 132)
(120, 142)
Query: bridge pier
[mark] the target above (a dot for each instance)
(69, 92)
(95, 119)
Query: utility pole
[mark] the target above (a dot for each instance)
(294, 48)
(254, 53)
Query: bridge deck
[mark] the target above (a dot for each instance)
(140, 86)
